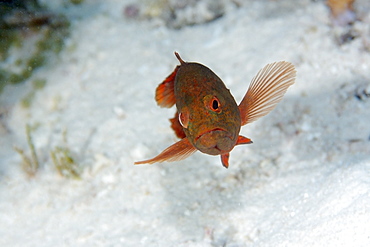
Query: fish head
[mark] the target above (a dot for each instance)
(207, 111)
(212, 124)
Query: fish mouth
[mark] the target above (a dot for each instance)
(215, 141)
(209, 131)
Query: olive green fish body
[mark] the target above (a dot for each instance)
(213, 115)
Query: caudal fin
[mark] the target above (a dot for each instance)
(266, 90)
(165, 93)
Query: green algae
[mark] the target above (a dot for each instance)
(30, 163)
(25, 48)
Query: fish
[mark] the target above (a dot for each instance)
(208, 118)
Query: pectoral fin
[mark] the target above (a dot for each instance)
(178, 151)
(266, 90)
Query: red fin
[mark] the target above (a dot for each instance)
(178, 151)
(243, 140)
(225, 160)
(266, 90)
(164, 94)
(225, 157)
(176, 126)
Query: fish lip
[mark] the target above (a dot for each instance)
(209, 131)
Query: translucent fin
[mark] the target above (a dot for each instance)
(178, 151)
(165, 94)
(266, 90)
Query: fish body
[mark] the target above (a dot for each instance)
(208, 109)
(208, 119)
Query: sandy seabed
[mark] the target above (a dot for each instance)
(305, 181)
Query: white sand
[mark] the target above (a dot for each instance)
(305, 181)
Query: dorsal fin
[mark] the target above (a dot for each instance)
(266, 90)
(165, 94)
(179, 58)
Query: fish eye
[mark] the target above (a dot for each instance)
(215, 105)
(212, 103)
